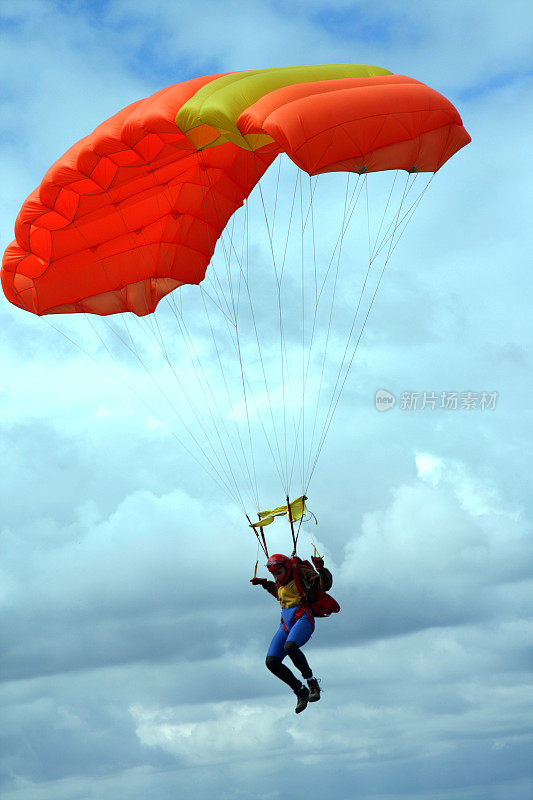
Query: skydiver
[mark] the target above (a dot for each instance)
(295, 585)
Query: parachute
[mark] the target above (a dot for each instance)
(138, 211)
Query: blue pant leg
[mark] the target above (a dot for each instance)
(276, 645)
(301, 631)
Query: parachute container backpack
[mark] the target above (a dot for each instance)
(226, 238)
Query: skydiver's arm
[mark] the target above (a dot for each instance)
(313, 581)
(325, 580)
(271, 588)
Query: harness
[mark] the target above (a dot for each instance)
(303, 606)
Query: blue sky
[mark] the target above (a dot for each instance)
(133, 644)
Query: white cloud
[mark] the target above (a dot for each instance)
(429, 467)
(199, 735)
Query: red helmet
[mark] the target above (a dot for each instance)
(275, 562)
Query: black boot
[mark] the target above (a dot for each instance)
(314, 690)
(303, 698)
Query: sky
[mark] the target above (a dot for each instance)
(132, 641)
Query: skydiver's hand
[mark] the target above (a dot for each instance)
(258, 581)
(318, 562)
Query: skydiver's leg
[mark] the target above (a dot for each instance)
(300, 633)
(276, 654)
(298, 659)
(282, 672)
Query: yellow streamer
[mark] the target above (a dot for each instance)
(267, 517)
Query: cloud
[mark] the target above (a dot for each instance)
(431, 597)
(437, 556)
(122, 583)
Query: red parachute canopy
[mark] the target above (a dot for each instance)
(135, 209)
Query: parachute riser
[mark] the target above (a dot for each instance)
(294, 536)
(265, 548)
(260, 537)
